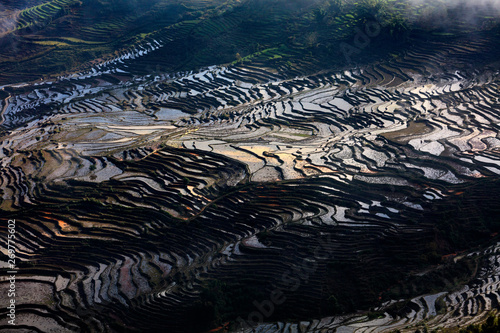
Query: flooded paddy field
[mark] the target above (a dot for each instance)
(134, 194)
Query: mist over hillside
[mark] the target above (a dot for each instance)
(62, 36)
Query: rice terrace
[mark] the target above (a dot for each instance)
(250, 166)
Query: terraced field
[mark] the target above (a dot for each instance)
(367, 195)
